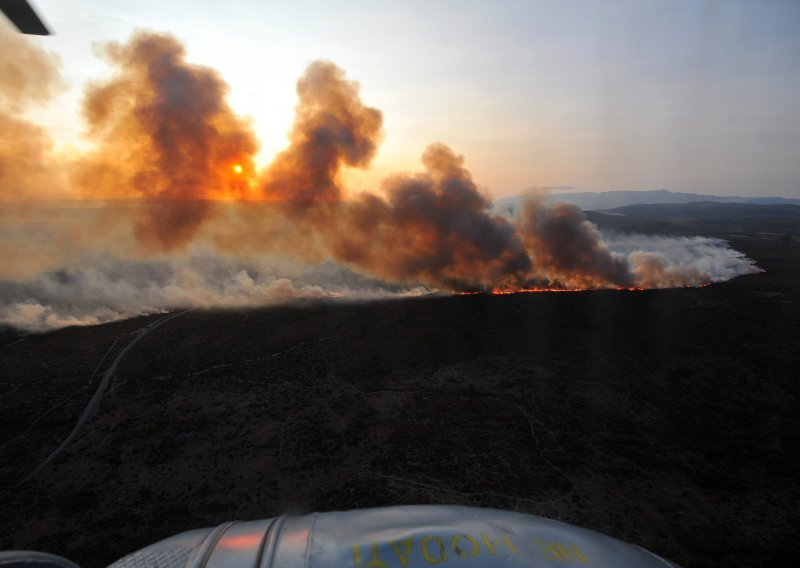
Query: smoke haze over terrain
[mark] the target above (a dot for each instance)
(100, 287)
(28, 78)
(195, 224)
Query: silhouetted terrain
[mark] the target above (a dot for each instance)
(602, 200)
(771, 222)
(667, 418)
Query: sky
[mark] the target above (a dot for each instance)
(695, 96)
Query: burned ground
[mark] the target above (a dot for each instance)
(667, 418)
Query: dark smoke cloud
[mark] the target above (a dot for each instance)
(432, 227)
(165, 132)
(568, 249)
(332, 129)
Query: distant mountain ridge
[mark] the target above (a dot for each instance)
(755, 220)
(596, 201)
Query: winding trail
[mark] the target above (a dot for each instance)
(97, 399)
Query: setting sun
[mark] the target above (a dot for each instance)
(237, 168)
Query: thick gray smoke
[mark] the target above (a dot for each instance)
(567, 250)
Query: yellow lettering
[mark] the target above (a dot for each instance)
(547, 549)
(403, 558)
(491, 544)
(356, 556)
(376, 562)
(573, 553)
(461, 552)
(439, 544)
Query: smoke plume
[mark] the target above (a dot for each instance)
(568, 250)
(165, 135)
(432, 227)
(332, 129)
(28, 76)
(165, 132)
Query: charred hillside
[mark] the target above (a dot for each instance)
(667, 418)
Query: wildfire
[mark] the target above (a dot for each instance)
(507, 291)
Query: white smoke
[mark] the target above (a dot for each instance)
(663, 262)
(103, 288)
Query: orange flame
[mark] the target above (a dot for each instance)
(508, 291)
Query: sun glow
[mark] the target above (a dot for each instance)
(237, 168)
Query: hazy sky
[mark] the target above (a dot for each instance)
(700, 96)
